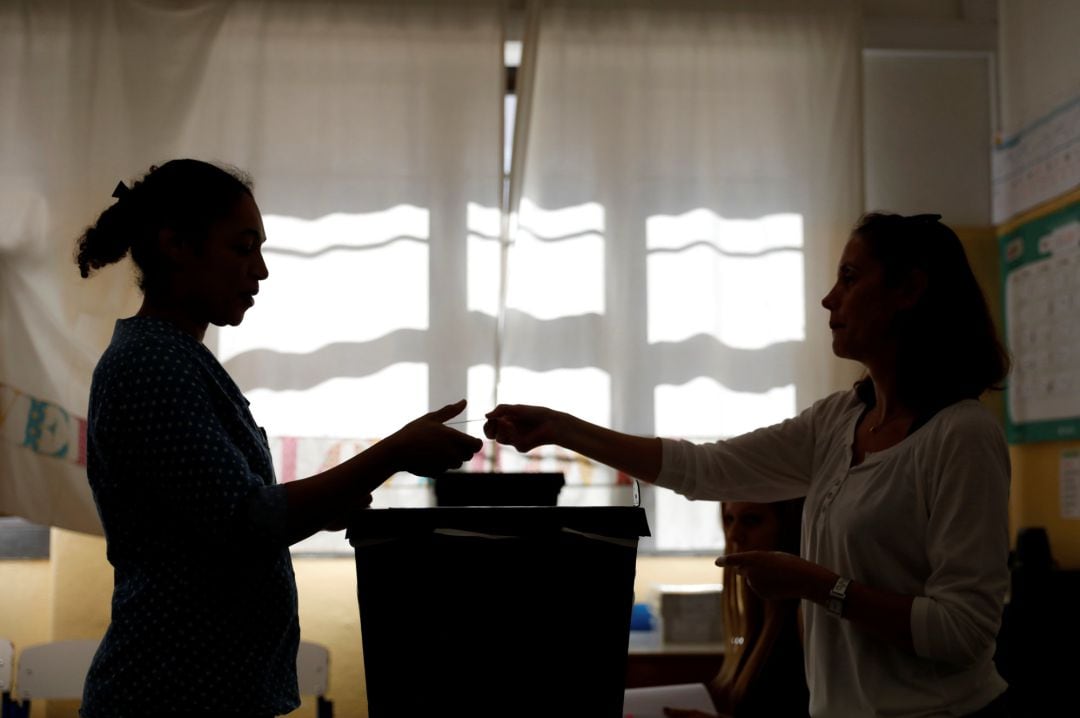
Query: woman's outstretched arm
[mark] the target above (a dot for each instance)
(526, 427)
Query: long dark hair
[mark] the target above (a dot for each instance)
(184, 195)
(948, 347)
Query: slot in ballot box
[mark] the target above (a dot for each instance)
(496, 611)
(460, 488)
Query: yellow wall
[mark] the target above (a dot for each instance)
(1036, 498)
(329, 615)
(25, 601)
(68, 597)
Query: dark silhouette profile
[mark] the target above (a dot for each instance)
(204, 616)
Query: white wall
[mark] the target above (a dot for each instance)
(927, 134)
(928, 107)
(1040, 58)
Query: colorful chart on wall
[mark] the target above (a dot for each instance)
(1038, 163)
(1041, 273)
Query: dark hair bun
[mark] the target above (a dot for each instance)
(184, 195)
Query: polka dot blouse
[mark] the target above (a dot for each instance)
(204, 617)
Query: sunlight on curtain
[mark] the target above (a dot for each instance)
(556, 284)
(481, 383)
(692, 171)
(582, 392)
(716, 144)
(704, 410)
(341, 278)
(368, 129)
(557, 266)
(376, 264)
(342, 406)
(484, 252)
(739, 280)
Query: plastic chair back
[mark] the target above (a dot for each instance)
(54, 670)
(8, 708)
(312, 669)
(7, 662)
(313, 675)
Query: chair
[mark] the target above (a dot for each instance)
(57, 670)
(51, 671)
(1040, 628)
(313, 676)
(7, 674)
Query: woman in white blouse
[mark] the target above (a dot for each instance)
(905, 539)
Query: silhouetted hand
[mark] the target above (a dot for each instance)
(349, 518)
(521, 426)
(777, 575)
(427, 447)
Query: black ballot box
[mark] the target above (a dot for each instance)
(496, 611)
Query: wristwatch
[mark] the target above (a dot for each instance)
(835, 604)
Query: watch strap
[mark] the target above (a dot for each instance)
(838, 597)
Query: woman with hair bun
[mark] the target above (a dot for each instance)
(903, 566)
(204, 615)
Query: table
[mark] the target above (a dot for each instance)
(672, 663)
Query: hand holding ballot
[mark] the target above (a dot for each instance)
(426, 446)
(527, 427)
(521, 426)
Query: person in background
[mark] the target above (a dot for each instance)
(204, 609)
(904, 560)
(762, 675)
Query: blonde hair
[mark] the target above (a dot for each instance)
(752, 624)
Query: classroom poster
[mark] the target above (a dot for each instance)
(1041, 273)
(1037, 164)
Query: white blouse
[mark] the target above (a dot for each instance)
(926, 517)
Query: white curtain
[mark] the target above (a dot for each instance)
(684, 175)
(688, 174)
(372, 130)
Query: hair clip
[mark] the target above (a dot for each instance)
(121, 190)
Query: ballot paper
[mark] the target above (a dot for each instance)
(651, 702)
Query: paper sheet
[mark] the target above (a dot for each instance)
(650, 702)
